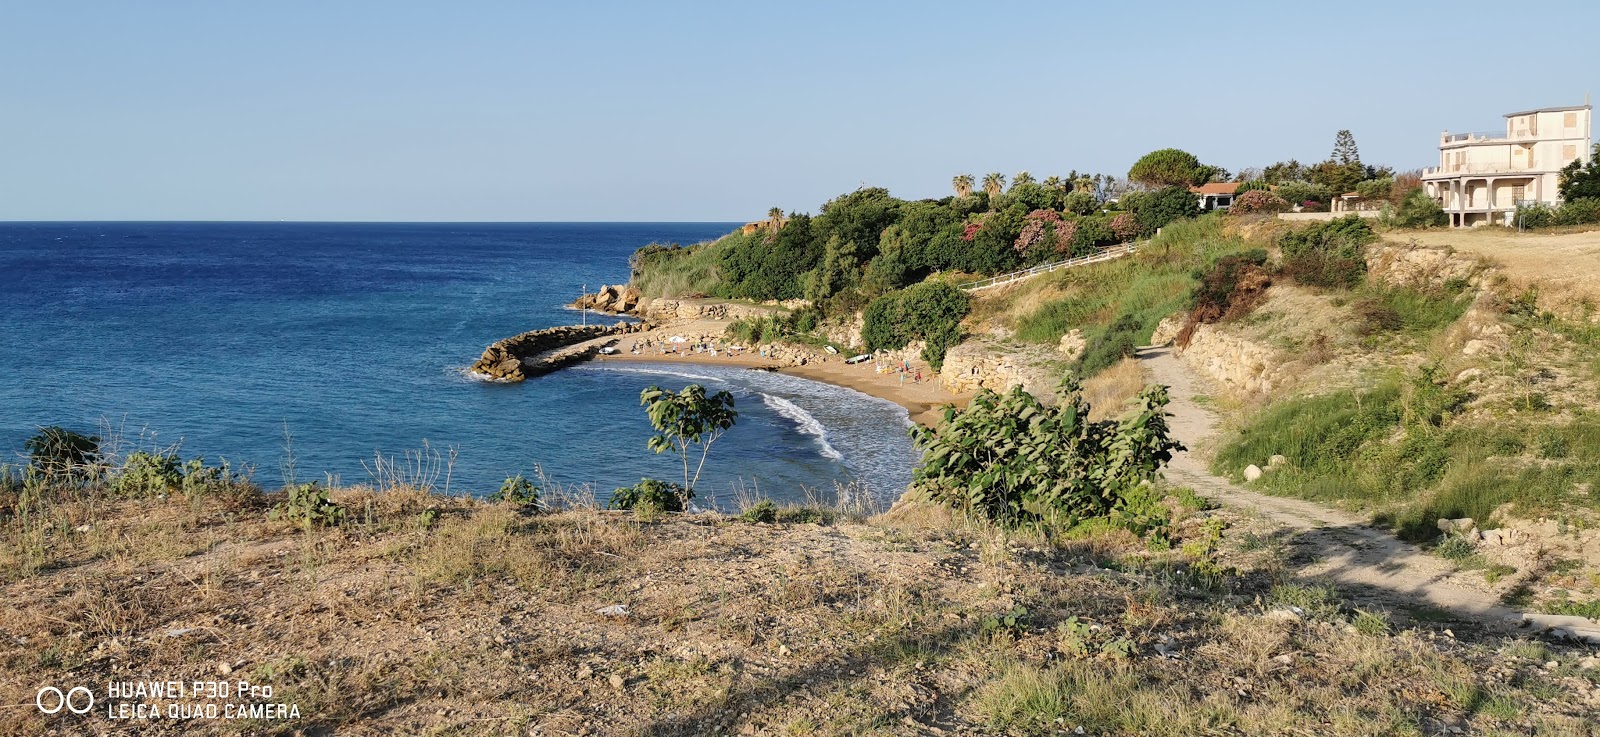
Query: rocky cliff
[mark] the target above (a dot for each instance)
(984, 363)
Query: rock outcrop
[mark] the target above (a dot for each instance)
(1419, 267)
(541, 351)
(696, 309)
(983, 364)
(620, 299)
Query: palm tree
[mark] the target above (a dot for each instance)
(963, 184)
(994, 183)
(1054, 182)
(775, 218)
(1022, 177)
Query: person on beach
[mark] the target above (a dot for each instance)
(919, 376)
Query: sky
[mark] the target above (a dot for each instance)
(651, 111)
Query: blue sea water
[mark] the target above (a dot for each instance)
(354, 337)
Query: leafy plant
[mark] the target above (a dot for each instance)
(56, 451)
(148, 474)
(1012, 459)
(687, 419)
(931, 311)
(517, 490)
(310, 505)
(763, 511)
(1258, 201)
(653, 494)
(1328, 254)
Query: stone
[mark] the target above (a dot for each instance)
(1276, 460)
(1467, 375)
(1252, 472)
(1072, 345)
(1492, 537)
(615, 681)
(1167, 330)
(1462, 525)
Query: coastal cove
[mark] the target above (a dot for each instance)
(353, 339)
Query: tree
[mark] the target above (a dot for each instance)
(840, 270)
(1022, 178)
(1284, 171)
(1169, 167)
(1344, 149)
(1054, 182)
(1153, 210)
(687, 419)
(963, 184)
(774, 221)
(1579, 180)
(994, 183)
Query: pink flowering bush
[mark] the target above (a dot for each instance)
(1035, 227)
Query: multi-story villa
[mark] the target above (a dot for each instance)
(1482, 177)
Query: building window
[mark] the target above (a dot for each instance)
(1570, 120)
(1517, 194)
(1568, 153)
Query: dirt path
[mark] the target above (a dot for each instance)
(1341, 547)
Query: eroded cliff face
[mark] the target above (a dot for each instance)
(699, 309)
(984, 363)
(1239, 364)
(1420, 267)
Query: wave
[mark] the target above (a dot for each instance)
(809, 425)
(656, 372)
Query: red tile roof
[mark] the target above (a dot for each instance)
(1216, 188)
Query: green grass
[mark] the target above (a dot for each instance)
(1393, 450)
(1118, 304)
(692, 270)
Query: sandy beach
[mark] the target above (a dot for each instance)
(920, 399)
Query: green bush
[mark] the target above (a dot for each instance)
(652, 494)
(1119, 340)
(1578, 212)
(310, 505)
(763, 511)
(1537, 215)
(517, 490)
(1013, 459)
(1328, 254)
(1417, 210)
(1155, 210)
(147, 474)
(55, 451)
(931, 311)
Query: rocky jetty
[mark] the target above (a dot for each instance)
(541, 351)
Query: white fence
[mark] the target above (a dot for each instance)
(1115, 252)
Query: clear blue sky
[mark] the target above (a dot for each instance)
(713, 111)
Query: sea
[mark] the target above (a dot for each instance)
(337, 352)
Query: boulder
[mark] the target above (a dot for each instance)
(1072, 345)
(1460, 526)
(1252, 472)
(1277, 460)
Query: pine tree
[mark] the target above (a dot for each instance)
(1344, 149)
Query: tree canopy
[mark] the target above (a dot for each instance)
(1169, 167)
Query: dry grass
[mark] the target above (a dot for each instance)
(425, 614)
(1564, 265)
(1107, 391)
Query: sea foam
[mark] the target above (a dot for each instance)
(809, 425)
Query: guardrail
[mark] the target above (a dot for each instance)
(1109, 254)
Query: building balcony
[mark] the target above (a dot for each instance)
(1497, 170)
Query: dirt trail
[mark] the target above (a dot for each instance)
(1342, 548)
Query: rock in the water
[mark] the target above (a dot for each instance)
(1252, 472)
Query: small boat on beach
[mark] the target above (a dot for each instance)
(859, 359)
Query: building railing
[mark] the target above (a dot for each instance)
(1507, 169)
(1479, 135)
(1109, 254)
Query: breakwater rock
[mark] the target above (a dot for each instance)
(541, 351)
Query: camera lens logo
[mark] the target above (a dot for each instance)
(50, 700)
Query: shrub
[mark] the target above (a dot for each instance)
(651, 494)
(1302, 192)
(310, 505)
(686, 419)
(1253, 185)
(517, 490)
(148, 474)
(1579, 212)
(1230, 287)
(56, 451)
(1327, 254)
(1081, 203)
(763, 511)
(1258, 201)
(1537, 215)
(1417, 210)
(1012, 459)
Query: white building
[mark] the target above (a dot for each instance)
(1482, 177)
